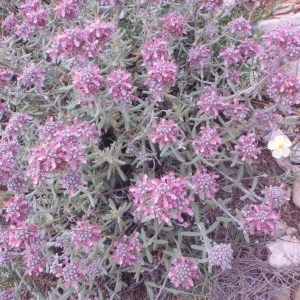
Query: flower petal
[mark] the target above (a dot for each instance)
(286, 152)
(277, 153)
(271, 145)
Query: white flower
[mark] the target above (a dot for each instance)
(280, 146)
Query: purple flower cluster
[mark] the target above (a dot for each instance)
(207, 142)
(127, 250)
(204, 182)
(236, 110)
(155, 49)
(246, 148)
(211, 103)
(287, 39)
(33, 20)
(199, 56)
(16, 209)
(231, 55)
(67, 9)
(283, 89)
(276, 196)
(87, 80)
(164, 133)
(259, 218)
(71, 182)
(220, 255)
(183, 272)
(86, 236)
(61, 150)
(82, 43)
(16, 125)
(239, 26)
(8, 155)
(173, 24)
(164, 199)
(120, 86)
(5, 76)
(34, 261)
(212, 5)
(267, 118)
(32, 75)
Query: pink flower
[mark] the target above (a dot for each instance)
(268, 119)
(163, 199)
(66, 9)
(127, 250)
(16, 209)
(239, 26)
(276, 196)
(5, 76)
(204, 183)
(155, 49)
(71, 182)
(165, 132)
(120, 86)
(261, 218)
(34, 261)
(9, 24)
(236, 110)
(33, 75)
(231, 55)
(199, 56)
(23, 235)
(16, 125)
(173, 24)
(246, 148)
(72, 274)
(220, 255)
(183, 272)
(87, 80)
(211, 103)
(249, 48)
(16, 184)
(212, 5)
(86, 236)
(207, 142)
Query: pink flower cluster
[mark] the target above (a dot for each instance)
(236, 110)
(164, 133)
(34, 18)
(183, 272)
(82, 43)
(284, 89)
(8, 154)
(5, 77)
(164, 199)
(246, 148)
(71, 182)
(34, 261)
(211, 103)
(239, 26)
(207, 142)
(287, 39)
(162, 67)
(220, 255)
(72, 274)
(16, 125)
(127, 250)
(204, 183)
(267, 118)
(86, 236)
(16, 209)
(249, 48)
(173, 24)
(259, 218)
(61, 150)
(67, 9)
(33, 75)
(87, 80)
(120, 86)
(212, 5)
(231, 55)
(199, 56)
(276, 196)
(16, 184)
(9, 24)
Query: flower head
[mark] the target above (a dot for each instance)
(280, 146)
(220, 255)
(182, 272)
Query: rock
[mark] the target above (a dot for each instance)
(284, 10)
(283, 294)
(284, 252)
(280, 229)
(271, 24)
(291, 231)
(297, 293)
(296, 192)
